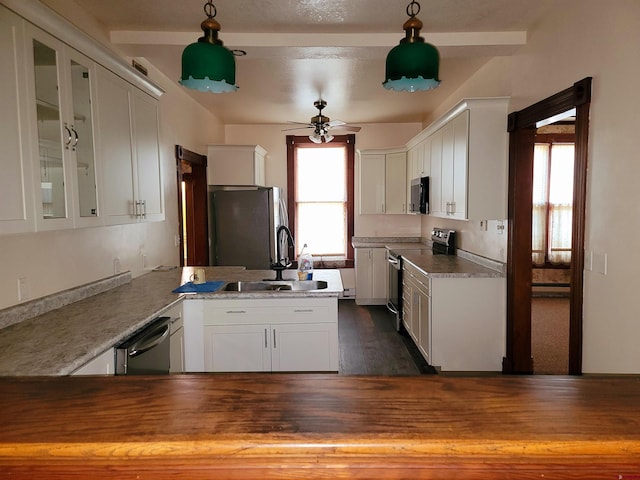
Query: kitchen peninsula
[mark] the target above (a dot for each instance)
(69, 335)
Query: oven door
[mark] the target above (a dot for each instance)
(393, 295)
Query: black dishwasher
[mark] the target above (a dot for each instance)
(147, 352)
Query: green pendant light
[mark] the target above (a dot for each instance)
(208, 65)
(413, 64)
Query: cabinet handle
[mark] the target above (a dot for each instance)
(274, 338)
(266, 339)
(144, 208)
(75, 141)
(66, 145)
(304, 310)
(240, 312)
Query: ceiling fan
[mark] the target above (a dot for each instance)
(322, 125)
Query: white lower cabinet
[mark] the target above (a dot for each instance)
(417, 308)
(263, 335)
(103, 364)
(371, 276)
(457, 323)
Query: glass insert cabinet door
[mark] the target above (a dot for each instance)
(50, 147)
(63, 81)
(82, 144)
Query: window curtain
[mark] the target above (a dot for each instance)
(552, 203)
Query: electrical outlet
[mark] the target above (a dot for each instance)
(500, 227)
(176, 240)
(483, 225)
(116, 266)
(23, 289)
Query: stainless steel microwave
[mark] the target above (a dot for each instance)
(419, 195)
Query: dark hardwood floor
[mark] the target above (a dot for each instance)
(370, 344)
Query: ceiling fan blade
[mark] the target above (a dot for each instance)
(346, 128)
(336, 123)
(297, 128)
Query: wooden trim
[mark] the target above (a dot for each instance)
(189, 156)
(521, 125)
(197, 206)
(347, 141)
(578, 233)
(519, 267)
(574, 96)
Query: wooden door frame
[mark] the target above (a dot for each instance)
(200, 249)
(522, 126)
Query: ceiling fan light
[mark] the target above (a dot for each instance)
(413, 64)
(315, 138)
(207, 65)
(328, 137)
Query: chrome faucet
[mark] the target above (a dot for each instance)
(282, 261)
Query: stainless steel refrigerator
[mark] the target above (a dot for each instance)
(242, 225)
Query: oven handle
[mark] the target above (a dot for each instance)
(393, 261)
(152, 339)
(391, 308)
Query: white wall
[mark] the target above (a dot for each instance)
(586, 38)
(386, 135)
(54, 261)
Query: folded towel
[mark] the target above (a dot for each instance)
(206, 287)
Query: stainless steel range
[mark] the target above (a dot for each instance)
(444, 241)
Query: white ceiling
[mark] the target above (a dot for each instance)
(301, 50)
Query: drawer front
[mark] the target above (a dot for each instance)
(233, 313)
(417, 278)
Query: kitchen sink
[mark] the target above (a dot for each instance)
(275, 286)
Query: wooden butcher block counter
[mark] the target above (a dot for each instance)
(263, 426)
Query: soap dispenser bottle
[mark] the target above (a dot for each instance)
(305, 265)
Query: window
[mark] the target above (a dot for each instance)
(320, 198)
(553, 163)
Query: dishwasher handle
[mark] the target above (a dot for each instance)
(153, 337)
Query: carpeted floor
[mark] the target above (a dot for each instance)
(550, 335)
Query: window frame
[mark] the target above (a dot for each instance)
(550, 139)
(347, 141)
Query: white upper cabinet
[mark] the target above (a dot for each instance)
(52, 131)
(128, 150)
(82, 88)
(52, 146)
(146, 143)
(16, 181)
(383, 181)
(372, 176)
(236, 165)
(449, 167)
(468, 157)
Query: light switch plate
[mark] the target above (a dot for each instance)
(599, 263)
